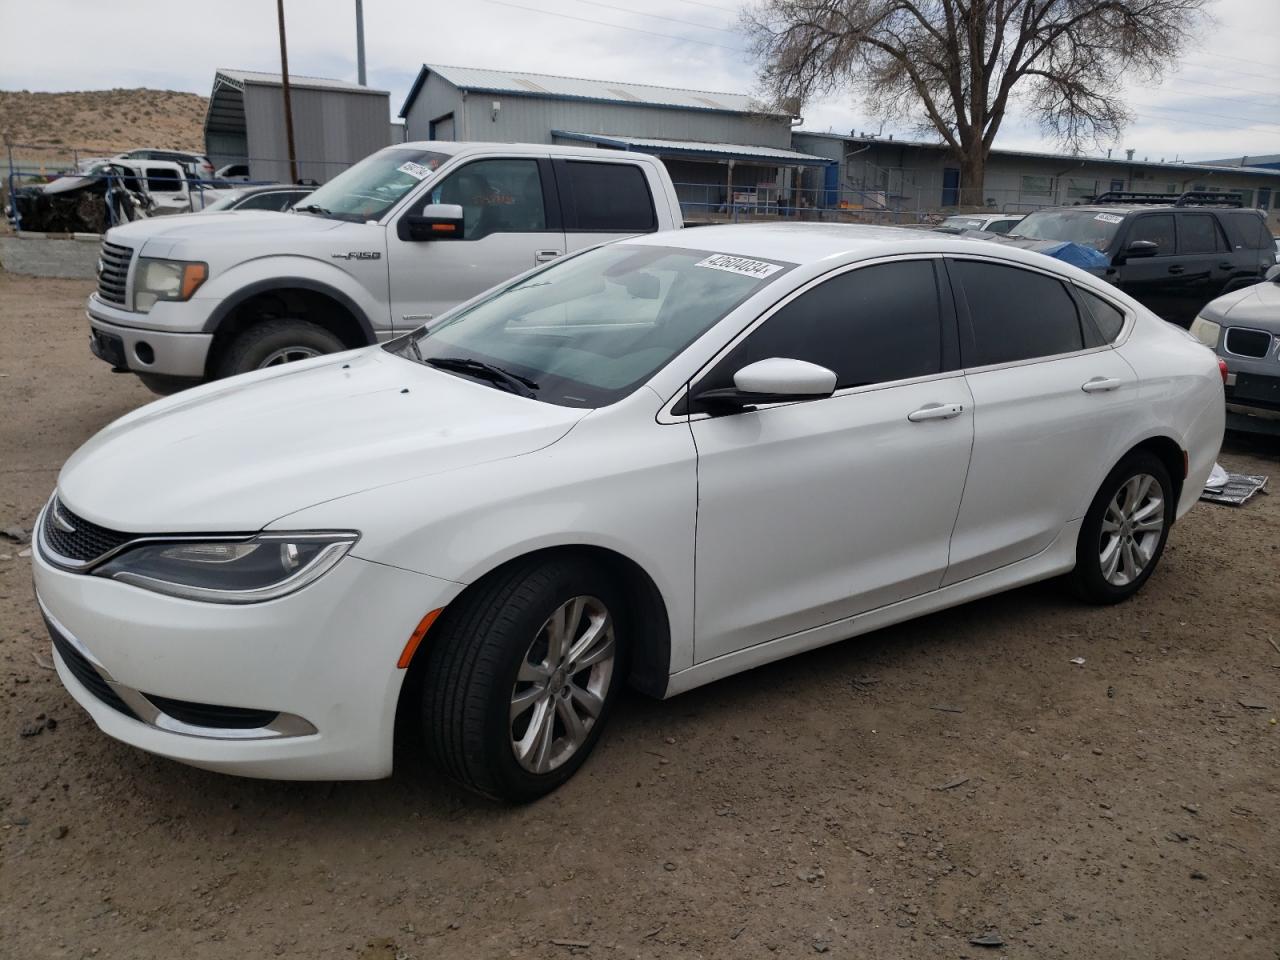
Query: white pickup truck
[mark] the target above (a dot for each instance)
(399, 238)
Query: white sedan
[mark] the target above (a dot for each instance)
(661, 461)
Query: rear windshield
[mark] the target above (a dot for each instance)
(1087, 227)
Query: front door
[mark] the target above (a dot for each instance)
(510, 224)
(1049, 411)
(950, 186)
(1157, 281)
(811, 512)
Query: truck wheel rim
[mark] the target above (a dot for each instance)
(1131, 529)
(288, 355)
(562, 684)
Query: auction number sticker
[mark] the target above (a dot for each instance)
(739, 265)
(1109, 218)
(415, 170)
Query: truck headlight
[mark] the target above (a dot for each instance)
(247, 570)
(1206, 331)
(166, 280)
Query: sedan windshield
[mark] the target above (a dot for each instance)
(374, 185)
(1087, 227)
(589, 330)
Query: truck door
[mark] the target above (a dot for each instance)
(511, 222)
(603, 201)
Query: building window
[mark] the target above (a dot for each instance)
(1082, 189)
(1037, 186)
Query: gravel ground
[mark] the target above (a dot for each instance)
(896, 796)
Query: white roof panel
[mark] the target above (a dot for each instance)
(656, 145)
(239, 78)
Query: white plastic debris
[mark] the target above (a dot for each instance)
(1078, 661)
(1217, 479)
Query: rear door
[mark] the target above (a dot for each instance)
(511, 223)
(1051, 400)
(603, 201)
(1206, 263)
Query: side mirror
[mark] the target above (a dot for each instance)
(1273, 274)
(1142, 248)
(776, 380)
(438, 221)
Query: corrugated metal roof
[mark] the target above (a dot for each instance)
(238, 78)
(744, 151)
(1269, 159)
(578, 88)
(1038, 155)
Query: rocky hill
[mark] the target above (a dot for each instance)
(101, 121)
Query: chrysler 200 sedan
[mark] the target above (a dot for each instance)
(661, 461)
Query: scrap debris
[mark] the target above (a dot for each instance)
(1232, 488)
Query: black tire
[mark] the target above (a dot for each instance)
(1087, 579)
(473, 655)
(252, 348)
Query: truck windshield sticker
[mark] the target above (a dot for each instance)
(415, 170)
(1109, 218)
(739, 265)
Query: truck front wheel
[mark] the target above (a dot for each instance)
(274, 342)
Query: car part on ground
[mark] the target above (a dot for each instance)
(1235, 489)
(646, 462)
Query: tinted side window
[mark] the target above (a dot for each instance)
(162, 180)
(605, 197)
(1001, 226)
(1251, 231)
(1108, 319)
(1158, 228)
(496, 196)
(261, 201)
(1198, 233)
(1016, 314)
(872, 325)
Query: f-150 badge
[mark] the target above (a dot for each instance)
(358, 255)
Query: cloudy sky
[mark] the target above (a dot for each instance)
(1222, 100)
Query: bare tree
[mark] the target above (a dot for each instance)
(956, 65)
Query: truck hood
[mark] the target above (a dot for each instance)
(235, 455)
(218, 228)
(1257, 305)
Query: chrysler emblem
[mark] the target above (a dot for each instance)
(60, 521)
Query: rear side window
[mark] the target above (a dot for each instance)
(1198, 233)
(605, 197)
(1015, 314)
(163, 180)
(271, 200)
(1108, 319)
(1249, 230)
(872, 325)
(1158, 228)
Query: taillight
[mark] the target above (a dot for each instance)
(1222, 369)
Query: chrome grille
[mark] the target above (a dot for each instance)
(1248, 343)
(82, 544)
(114, 272)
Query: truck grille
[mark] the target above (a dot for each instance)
(84, 542)
(114, 272)
(1248, 343)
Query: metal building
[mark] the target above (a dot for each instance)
(335, 123)
(721, 148)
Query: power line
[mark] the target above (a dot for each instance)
(655, 16)
(615, 26)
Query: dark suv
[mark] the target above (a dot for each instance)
(1173, 253)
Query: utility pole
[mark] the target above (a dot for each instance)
(288, 103)
(360, 42)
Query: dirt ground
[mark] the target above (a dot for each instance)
(889, 797)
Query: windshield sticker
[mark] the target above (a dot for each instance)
(1109, 218)
(415, 170)
(739, 265)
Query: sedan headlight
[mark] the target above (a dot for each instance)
(1206, 331)
(166, 280)
(248, 570)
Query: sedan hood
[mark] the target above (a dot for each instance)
(238, 454)
(1257, 305)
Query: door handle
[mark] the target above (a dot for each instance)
(1100, 384)
(543, 256)
(1176, 268)
(1226, 265)
(936, 411)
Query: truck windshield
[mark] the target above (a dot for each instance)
(589, 330)
(1087, 227)
(374, 185)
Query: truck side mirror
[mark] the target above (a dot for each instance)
(437, 221)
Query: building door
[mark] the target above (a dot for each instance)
(1264, 198)
(951, 186)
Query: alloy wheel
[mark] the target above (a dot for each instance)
(1131, 529)
(561, 684)
(288, 355)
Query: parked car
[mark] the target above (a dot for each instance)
(1172, 253)
(662, 460)
(1243, 328)
(220, 295)
(271, 196)
(197, 165)
(987, 222)
(232, 171)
